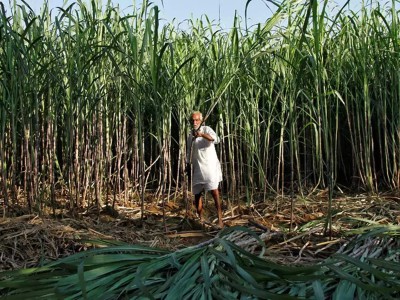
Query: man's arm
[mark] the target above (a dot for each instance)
(209, 135)
(206, 136)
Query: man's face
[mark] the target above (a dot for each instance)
(196, 121)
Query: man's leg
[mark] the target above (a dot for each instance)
(215, 194)
(199, 205)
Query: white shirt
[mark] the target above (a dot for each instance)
(205, 164)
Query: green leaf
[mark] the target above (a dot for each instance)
(345, 290)
(318, 290)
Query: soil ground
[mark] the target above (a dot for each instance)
(28, 240)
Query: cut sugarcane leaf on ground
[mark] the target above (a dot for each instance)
(216, 268)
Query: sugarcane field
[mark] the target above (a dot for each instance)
(146, 159)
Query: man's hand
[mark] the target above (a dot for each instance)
(196, 133)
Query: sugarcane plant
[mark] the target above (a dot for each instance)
(94, 103)
(366, 267)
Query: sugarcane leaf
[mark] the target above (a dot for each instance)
(205, 271)
(186, 285)
(230, 255)
(81, 280)
(345, 290)
(48, 293)
(236, 282)
(318, 290)
(387, 265)
(363, 266)
(351, 278)
(373, 230)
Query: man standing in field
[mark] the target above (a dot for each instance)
(205, 164)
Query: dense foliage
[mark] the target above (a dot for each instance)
(95, 103)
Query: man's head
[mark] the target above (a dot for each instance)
(197, 118)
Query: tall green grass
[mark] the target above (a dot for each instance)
(94, 103)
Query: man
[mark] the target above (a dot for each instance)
(206, 167)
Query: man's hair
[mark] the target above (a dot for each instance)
(196, 112)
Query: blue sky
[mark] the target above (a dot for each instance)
(218, 10)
